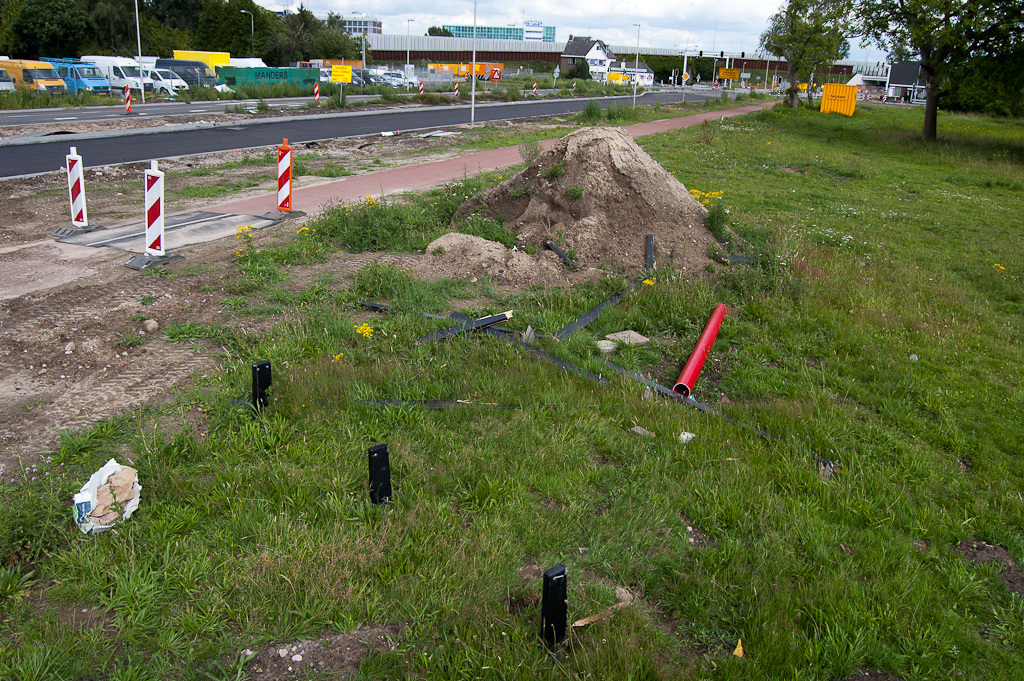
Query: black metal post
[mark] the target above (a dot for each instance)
(380, 474)
(261, 381)
(554, 607)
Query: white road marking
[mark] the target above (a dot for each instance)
(66, 118)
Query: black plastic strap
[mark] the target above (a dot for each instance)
(595, 313)
(561, 254)
(700, 406)
(650, 254)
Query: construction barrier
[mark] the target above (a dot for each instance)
(154, 211)
(316, 92)
(284, 177)
(456, 91)
(574, 87)
(76, 189)
(841, 99)
(534, 87)
(421, 87)
(127, 99)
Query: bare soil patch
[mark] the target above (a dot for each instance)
(596, 192)
(981, 552)
(335, 655)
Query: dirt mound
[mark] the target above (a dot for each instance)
(626, 195)
(471, 257)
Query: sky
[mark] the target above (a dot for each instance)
(707, 25)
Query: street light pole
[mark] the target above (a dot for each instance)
(138, 38)
(408, 37)
(636, 66)
(472, 87)
(252, 32)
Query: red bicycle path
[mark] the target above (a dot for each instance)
(426, 175)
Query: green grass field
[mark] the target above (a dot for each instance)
(879, 326)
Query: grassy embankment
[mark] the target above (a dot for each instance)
(880, 327)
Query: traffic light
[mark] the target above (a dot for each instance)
(743, 55)
(721, 55)
(701, 54)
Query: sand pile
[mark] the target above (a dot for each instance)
(626, 195)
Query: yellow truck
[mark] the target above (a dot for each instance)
(37, 76)
(211, 59)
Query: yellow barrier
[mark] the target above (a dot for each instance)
(836, 98)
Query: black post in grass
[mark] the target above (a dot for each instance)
(554, 607)
(261, 380)
(380, 474)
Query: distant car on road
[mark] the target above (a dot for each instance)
(399, 79)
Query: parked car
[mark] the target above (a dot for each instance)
(399, 79)
(369, 77)
(166, 81)
(79, 76)
(121, 72)
(6, 84)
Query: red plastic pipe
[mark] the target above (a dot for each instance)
(684, 384)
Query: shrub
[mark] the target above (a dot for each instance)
(592, 113)
(575, 192)
(529, 150)
(716, 221)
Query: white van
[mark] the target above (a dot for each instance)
(165, 81)
(121, 72)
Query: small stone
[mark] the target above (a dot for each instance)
(685, 437)
(914, 358)
(641, 431)
(583, 550)
(283, 652)
(648, 393)
(296, 658)
(69, 348)
(606, 347)
(248, 653)
(628, 337)
(150, 326)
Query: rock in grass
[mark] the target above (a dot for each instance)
(150, 326)
(641, 431)
(606, 347)
(628, 337)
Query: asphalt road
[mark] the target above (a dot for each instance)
(145, 144)
(152, 110)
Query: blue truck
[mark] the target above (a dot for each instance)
(79, 76)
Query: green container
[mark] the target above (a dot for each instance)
(233, 76)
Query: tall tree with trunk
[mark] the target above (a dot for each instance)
(942, 35)
(811, 35)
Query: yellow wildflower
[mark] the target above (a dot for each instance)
(649, 282)
(364, 330)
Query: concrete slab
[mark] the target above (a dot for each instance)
(180, 230)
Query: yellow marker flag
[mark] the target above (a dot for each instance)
(739, 649)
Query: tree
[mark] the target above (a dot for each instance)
(48, 28)
(943, 35)
(580, 70)
(809, 34)
(111, 25)
(437, 30)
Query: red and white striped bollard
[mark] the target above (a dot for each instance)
(574, 87)
(284, 177)
(154, 211)
(534, 87)
(316, 92)
(421, 87)
(127, 99)
(76, 190)
(456, 91)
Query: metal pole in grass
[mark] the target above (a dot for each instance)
(554, 607)
(261, 381)
(380, 474)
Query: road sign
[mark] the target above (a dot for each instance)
(728, 74)
(341, 74)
